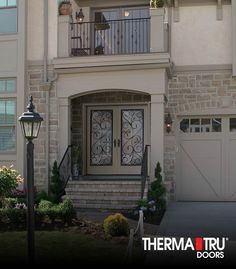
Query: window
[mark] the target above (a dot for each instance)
(232, 124)
(8, 16)
(7, 125)
(200, 125)
(7, 86)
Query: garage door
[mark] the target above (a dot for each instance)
(207, 159)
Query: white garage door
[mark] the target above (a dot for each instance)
(207, 159)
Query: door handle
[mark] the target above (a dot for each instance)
(114, 143)
(118, 142)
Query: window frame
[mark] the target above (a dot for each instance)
(10, 96)
(7, 92)
(8, 8)
(200, 128)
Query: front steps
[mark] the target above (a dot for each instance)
(104, 194)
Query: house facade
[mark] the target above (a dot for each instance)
(105, 78)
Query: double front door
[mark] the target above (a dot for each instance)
(116, 137)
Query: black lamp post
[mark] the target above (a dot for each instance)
(30, 123)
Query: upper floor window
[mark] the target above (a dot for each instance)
(7, 125)
(7, 86)
(8, 16)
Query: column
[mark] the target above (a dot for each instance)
(157, 132)
(158, 32)
(64, 125)
(64, 36)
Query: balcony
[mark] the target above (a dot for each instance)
(114, 37)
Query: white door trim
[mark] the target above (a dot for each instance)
(120, 106)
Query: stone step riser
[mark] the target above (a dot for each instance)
(104, 197)
(103, 206)
(104, 194)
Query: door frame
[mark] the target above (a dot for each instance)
(128, 104)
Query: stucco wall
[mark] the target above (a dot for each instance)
(199, 38)
(35, 30)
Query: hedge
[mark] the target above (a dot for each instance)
(62, 213)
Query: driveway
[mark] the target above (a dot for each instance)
(196, 219)
(199, 219)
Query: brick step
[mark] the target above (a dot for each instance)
(103, 189)
(103, 197)
(104, 206)
(102, 182)
(102, 201)
(99, 194)
(110, 194)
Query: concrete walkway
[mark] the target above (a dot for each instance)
(199, 219)
(196, 219)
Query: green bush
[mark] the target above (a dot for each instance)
(157, 191)
(56, 185)
(39, 196)
(116, 225)
(44, 204)
(46, 212)
(13, 216)
(9, 202)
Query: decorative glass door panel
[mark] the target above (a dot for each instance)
(132, 136)
(101, 137)
(116, 137)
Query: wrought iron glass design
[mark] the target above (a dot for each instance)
(101, 124)
(132, 136)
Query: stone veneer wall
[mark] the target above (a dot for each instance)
(194, 91)
(38, 90)
(98, 98)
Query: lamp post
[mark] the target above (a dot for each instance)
(30, 123)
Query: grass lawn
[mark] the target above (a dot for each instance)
(64, 247)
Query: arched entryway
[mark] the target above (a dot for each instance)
(111, 129)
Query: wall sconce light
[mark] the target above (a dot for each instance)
(168, 122)
(80, 16)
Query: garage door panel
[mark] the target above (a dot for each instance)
(232, 170)
(200, 175)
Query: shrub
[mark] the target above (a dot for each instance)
(56, 185)
(9, 180)
(46, 213)
(157, 191)
(9, 202)
(12, 216)
(39, 196)
(116, 225)
(44, 204)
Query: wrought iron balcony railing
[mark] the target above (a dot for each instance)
(126, 36)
